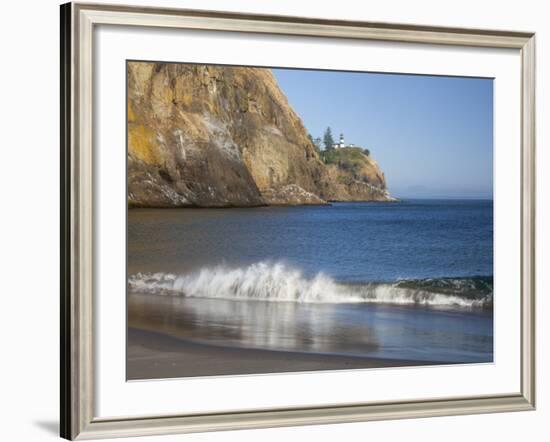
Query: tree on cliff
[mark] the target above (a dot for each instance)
(327, 139)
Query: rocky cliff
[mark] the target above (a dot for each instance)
(354, 176)
(211, 136)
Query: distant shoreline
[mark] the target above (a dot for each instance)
(328, 203)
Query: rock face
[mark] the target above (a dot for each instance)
(210, 136)
(355, 176)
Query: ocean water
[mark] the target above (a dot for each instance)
(407, 280)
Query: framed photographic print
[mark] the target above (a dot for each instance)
(272, 220)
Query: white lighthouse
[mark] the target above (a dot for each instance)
(341, 143)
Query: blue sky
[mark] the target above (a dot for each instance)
(432, 136)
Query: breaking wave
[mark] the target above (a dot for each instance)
(278, 282)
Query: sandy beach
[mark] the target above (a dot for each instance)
(153, 355)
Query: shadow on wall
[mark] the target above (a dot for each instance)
(51, 427)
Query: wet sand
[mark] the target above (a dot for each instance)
(152, 355)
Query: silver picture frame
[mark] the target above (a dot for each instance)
(77, 316)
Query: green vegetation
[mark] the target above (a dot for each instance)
(348, 158)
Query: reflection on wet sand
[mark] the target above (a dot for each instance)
(364, 330)
(259, 325)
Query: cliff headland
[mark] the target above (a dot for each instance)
(216, 136)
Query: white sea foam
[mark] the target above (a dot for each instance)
(278, 282)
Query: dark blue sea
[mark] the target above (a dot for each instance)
(407, 280)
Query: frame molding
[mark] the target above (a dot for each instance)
(77, 387)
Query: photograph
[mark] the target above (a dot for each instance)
(290, 220)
